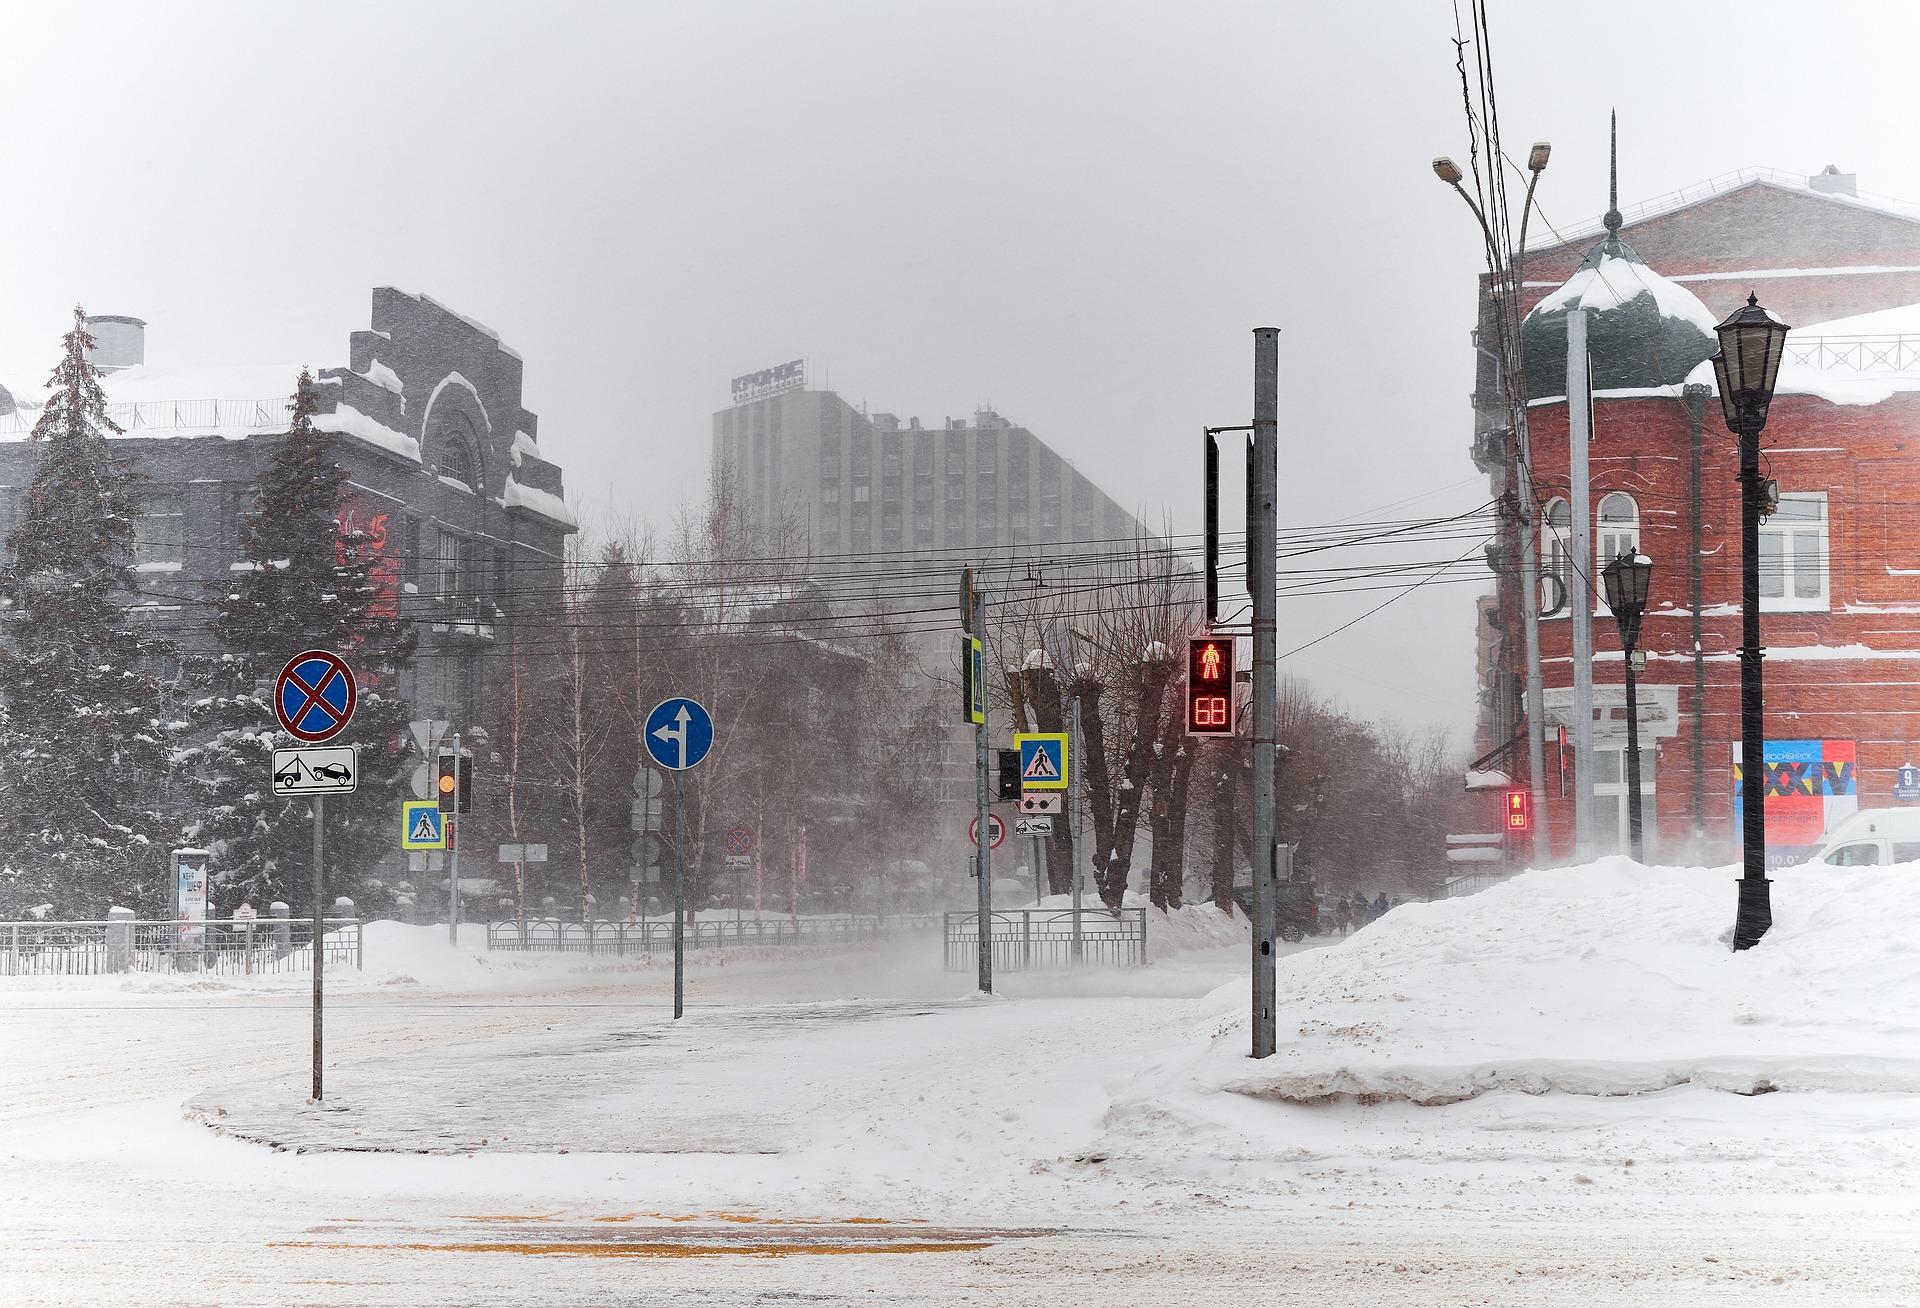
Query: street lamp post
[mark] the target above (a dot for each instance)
(1505, 268)
(1627, 579)
(1746, 368)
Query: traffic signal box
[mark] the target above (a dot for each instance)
(1210, 686)
(1007, 781)
(1519, 810)
(453, 783)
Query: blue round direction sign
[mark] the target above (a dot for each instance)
(679, 733)
(315, 695)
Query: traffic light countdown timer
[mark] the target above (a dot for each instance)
(1210, 686)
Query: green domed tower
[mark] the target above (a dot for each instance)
(1643, 331)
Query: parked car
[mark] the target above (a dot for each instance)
(1873, 837)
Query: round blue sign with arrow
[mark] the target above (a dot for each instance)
(679, 733)
(315, 695)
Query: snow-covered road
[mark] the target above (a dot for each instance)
(858, 1130)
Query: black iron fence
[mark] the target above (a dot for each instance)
(1023, 939)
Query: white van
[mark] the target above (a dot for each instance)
(1873, 837)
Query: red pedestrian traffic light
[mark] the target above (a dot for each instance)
(1210, 686)
(1519, 810)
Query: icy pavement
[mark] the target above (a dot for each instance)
(859, 1129)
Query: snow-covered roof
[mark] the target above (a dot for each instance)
(1612, 281)
(1863, 358)
(1642, 329)
(1777, 179)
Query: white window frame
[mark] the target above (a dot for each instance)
(1612, 538)
(1785, 533)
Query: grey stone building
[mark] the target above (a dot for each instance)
(466, 517)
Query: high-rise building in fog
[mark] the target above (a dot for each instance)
(847, 482)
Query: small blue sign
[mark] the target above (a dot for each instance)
(1906, 784)
(679, 733)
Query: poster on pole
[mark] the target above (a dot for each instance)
(1810, 786)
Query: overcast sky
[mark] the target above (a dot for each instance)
(1074, 212)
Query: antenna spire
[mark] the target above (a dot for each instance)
(1613, 218)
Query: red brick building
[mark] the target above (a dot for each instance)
(1840, 561)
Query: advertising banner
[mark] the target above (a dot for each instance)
(1810, 785)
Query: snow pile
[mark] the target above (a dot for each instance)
(1609, 979)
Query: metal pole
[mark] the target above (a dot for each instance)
(983, 843)
(319, 930)
(453, 846)
(1039, 869)
(679, 891)
(1580, 581)
(1755, 915)
(1633, 760)
(1262, 556)
(1073, 823)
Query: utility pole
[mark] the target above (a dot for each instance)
(1262, 563)
(983, 844)
(1580, 580)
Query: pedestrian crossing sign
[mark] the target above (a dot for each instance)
(1043, 760)
(422, 825)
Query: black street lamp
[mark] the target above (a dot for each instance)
(1627, 579)
(1751, 341)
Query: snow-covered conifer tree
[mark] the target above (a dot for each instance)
(306, 585)
(83, 745)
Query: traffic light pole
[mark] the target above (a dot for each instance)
(983, 843)
(1262, 560)
(450, 816)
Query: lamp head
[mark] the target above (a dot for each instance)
(1447, 171)
(1752, 341)
(1537, 157)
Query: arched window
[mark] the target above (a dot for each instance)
(452, 448)
(1619, 530)
(1556, 558)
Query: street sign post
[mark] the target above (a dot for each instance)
(677, 735)
(316, 770)
(314, 698)
(422, 825)
(996, 831)
(1044, 763)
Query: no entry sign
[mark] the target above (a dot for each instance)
(315, 695)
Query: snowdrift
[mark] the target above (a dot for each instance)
(1608, 979)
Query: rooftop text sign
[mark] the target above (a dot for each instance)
(776, 380)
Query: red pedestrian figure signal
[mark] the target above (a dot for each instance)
(1519, 810)
(1210, 686)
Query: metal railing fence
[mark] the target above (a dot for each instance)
(643, 938)
(226, 946)
(1023, 939)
